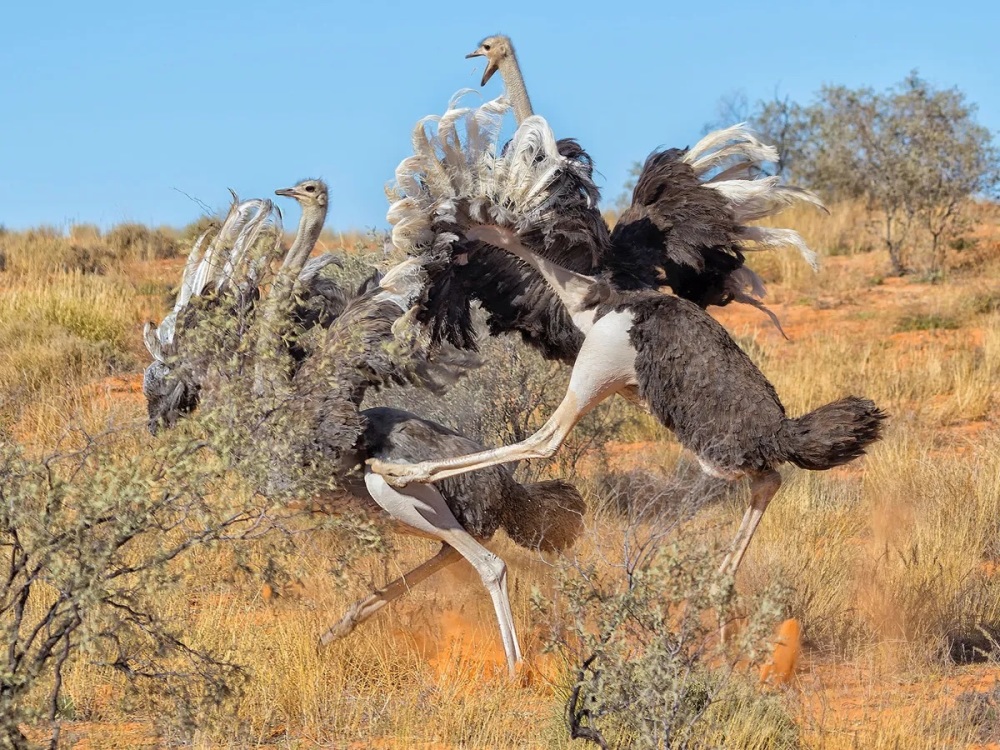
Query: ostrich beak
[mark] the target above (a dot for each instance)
(478, 53)
(491, 68)
(287, 192)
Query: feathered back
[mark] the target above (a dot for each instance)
(374, 342)
(456, 181)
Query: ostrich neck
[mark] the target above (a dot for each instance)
(310, 226)
(516, 91)
(270, 377)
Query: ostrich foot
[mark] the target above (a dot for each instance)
(400, 475)
(346, 625)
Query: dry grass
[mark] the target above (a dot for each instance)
(884, 559)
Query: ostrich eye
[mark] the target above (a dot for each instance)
(486, 47)
(310, 188)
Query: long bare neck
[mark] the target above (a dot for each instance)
(310, 226)
(516, 91)
(270, 375)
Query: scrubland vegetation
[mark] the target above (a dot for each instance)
(152, 597)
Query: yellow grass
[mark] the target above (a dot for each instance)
(882, 558)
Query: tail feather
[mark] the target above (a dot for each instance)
(833, 434)
(550, 520)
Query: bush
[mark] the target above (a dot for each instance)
(89, 539)
(141, 242)
(641, 636)
(926, 322)
(93, 538)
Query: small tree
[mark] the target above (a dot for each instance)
(913, 154)
(638, 626)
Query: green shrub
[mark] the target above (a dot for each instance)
(641, 636)
(140, 242)
(926, 322)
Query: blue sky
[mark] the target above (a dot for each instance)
(114, 112)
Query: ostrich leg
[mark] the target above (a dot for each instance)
(422, 507)
(606, 365)
(362, 610)
(762, 489)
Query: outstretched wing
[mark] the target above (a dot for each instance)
(540, 187)
(686, 227)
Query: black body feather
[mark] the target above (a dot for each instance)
(675, 233)
(356, 353)
(514, 296)
(700, 384)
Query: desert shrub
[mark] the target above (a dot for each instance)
(140, 242)
(191, 232)
(926, 322)
(94, 535)
(89, 539)
(61, 331)
(978, 712)
(985, 303)
(44, 250)
(89, 308)
(642, 641)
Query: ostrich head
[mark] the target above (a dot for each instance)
(311, 194)
(497, 50)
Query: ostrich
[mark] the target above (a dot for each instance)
(366, 346)
(665, 350)
(173, 389)
(684, 229)
(687, 215)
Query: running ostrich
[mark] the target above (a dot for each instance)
(366, 345)
(681, 231)
(664, 350)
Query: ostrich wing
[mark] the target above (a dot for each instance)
(684, 228)
(685, 225)
(536, 186)
(214, 266)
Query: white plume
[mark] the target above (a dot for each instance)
(457, 176)
(732, 161)
(226, 260)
